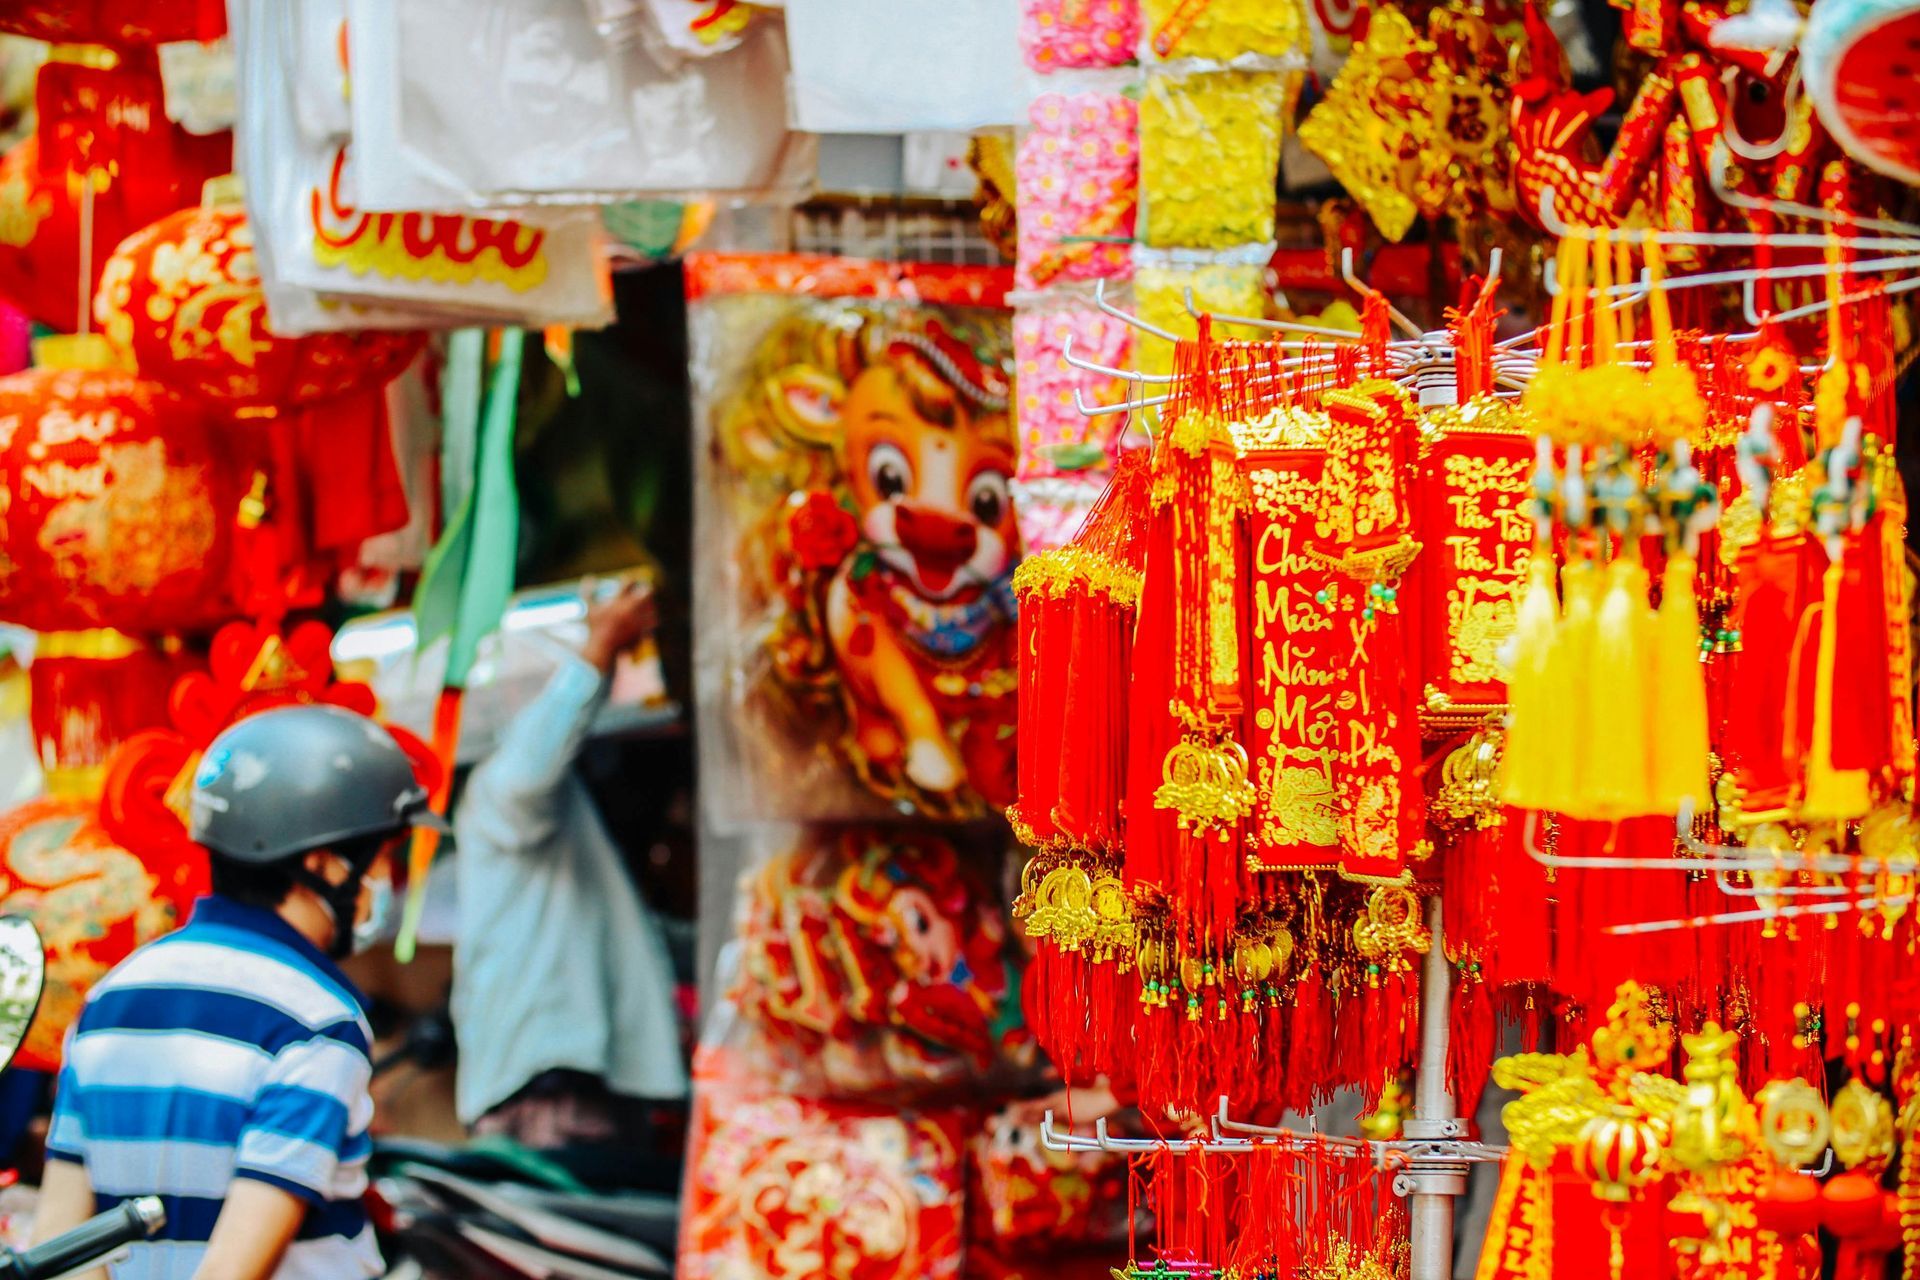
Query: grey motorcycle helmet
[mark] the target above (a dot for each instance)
(294, 779)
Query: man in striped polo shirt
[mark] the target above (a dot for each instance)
(224, 1068)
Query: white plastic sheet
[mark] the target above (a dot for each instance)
(325, 262)
(510, 102)
(897, 66)
(678, 28)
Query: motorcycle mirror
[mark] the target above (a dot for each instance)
(23, 975)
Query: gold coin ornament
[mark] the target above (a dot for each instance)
(1862, 1127)
(1794, 1122)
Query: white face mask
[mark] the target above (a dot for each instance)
(369, 932)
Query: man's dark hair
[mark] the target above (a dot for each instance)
(267, 884)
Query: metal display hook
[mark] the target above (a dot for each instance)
(1717, 176)
(1271, 326)
(1366, 290)
(1126, 317)
(1554, 225)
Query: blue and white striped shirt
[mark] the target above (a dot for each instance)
(230, 1049)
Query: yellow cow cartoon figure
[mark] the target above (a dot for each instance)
(904, 546)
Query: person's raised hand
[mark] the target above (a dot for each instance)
(617, 623)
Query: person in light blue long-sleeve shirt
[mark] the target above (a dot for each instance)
(562, 986)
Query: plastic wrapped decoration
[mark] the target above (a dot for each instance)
(873, 65)
(1209, 153)
(1055, 436)
(92, 901)
(1071, 34)
(874, 963)
(1034, 1200)
(1078, 177)
(860, 537)
(680, 28)
(107, 119)
(1064, 455)
(1854, 65)
(782, 1188)
(1221, 30)
(114, 22)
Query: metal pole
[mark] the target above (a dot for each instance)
(1432, 1187)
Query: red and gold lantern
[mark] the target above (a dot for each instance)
(117, 516)
(1618, 1152)
(114, 22)
(102, 124)
(90, 692)
(182, 300)
(92, 901)
(182, 297)
(117, 501)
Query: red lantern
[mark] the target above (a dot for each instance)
(103, 125)
(117, 503)
(1789, 1205)
(1854, 62)
(91, 691)
(1852, 1203)
(183, 298)
(1618, 1153)
(92, 901)
(114, 22)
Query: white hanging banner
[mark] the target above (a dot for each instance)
(501, 103)
(897, 66)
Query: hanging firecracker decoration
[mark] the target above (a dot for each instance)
(114, 22)
(92, 901)
(182, 299)
(104, 158)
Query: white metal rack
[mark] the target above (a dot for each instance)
(1432, 1161)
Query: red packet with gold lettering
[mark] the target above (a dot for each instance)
(1475, 537)
(1363, 526)
(1295, 660)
